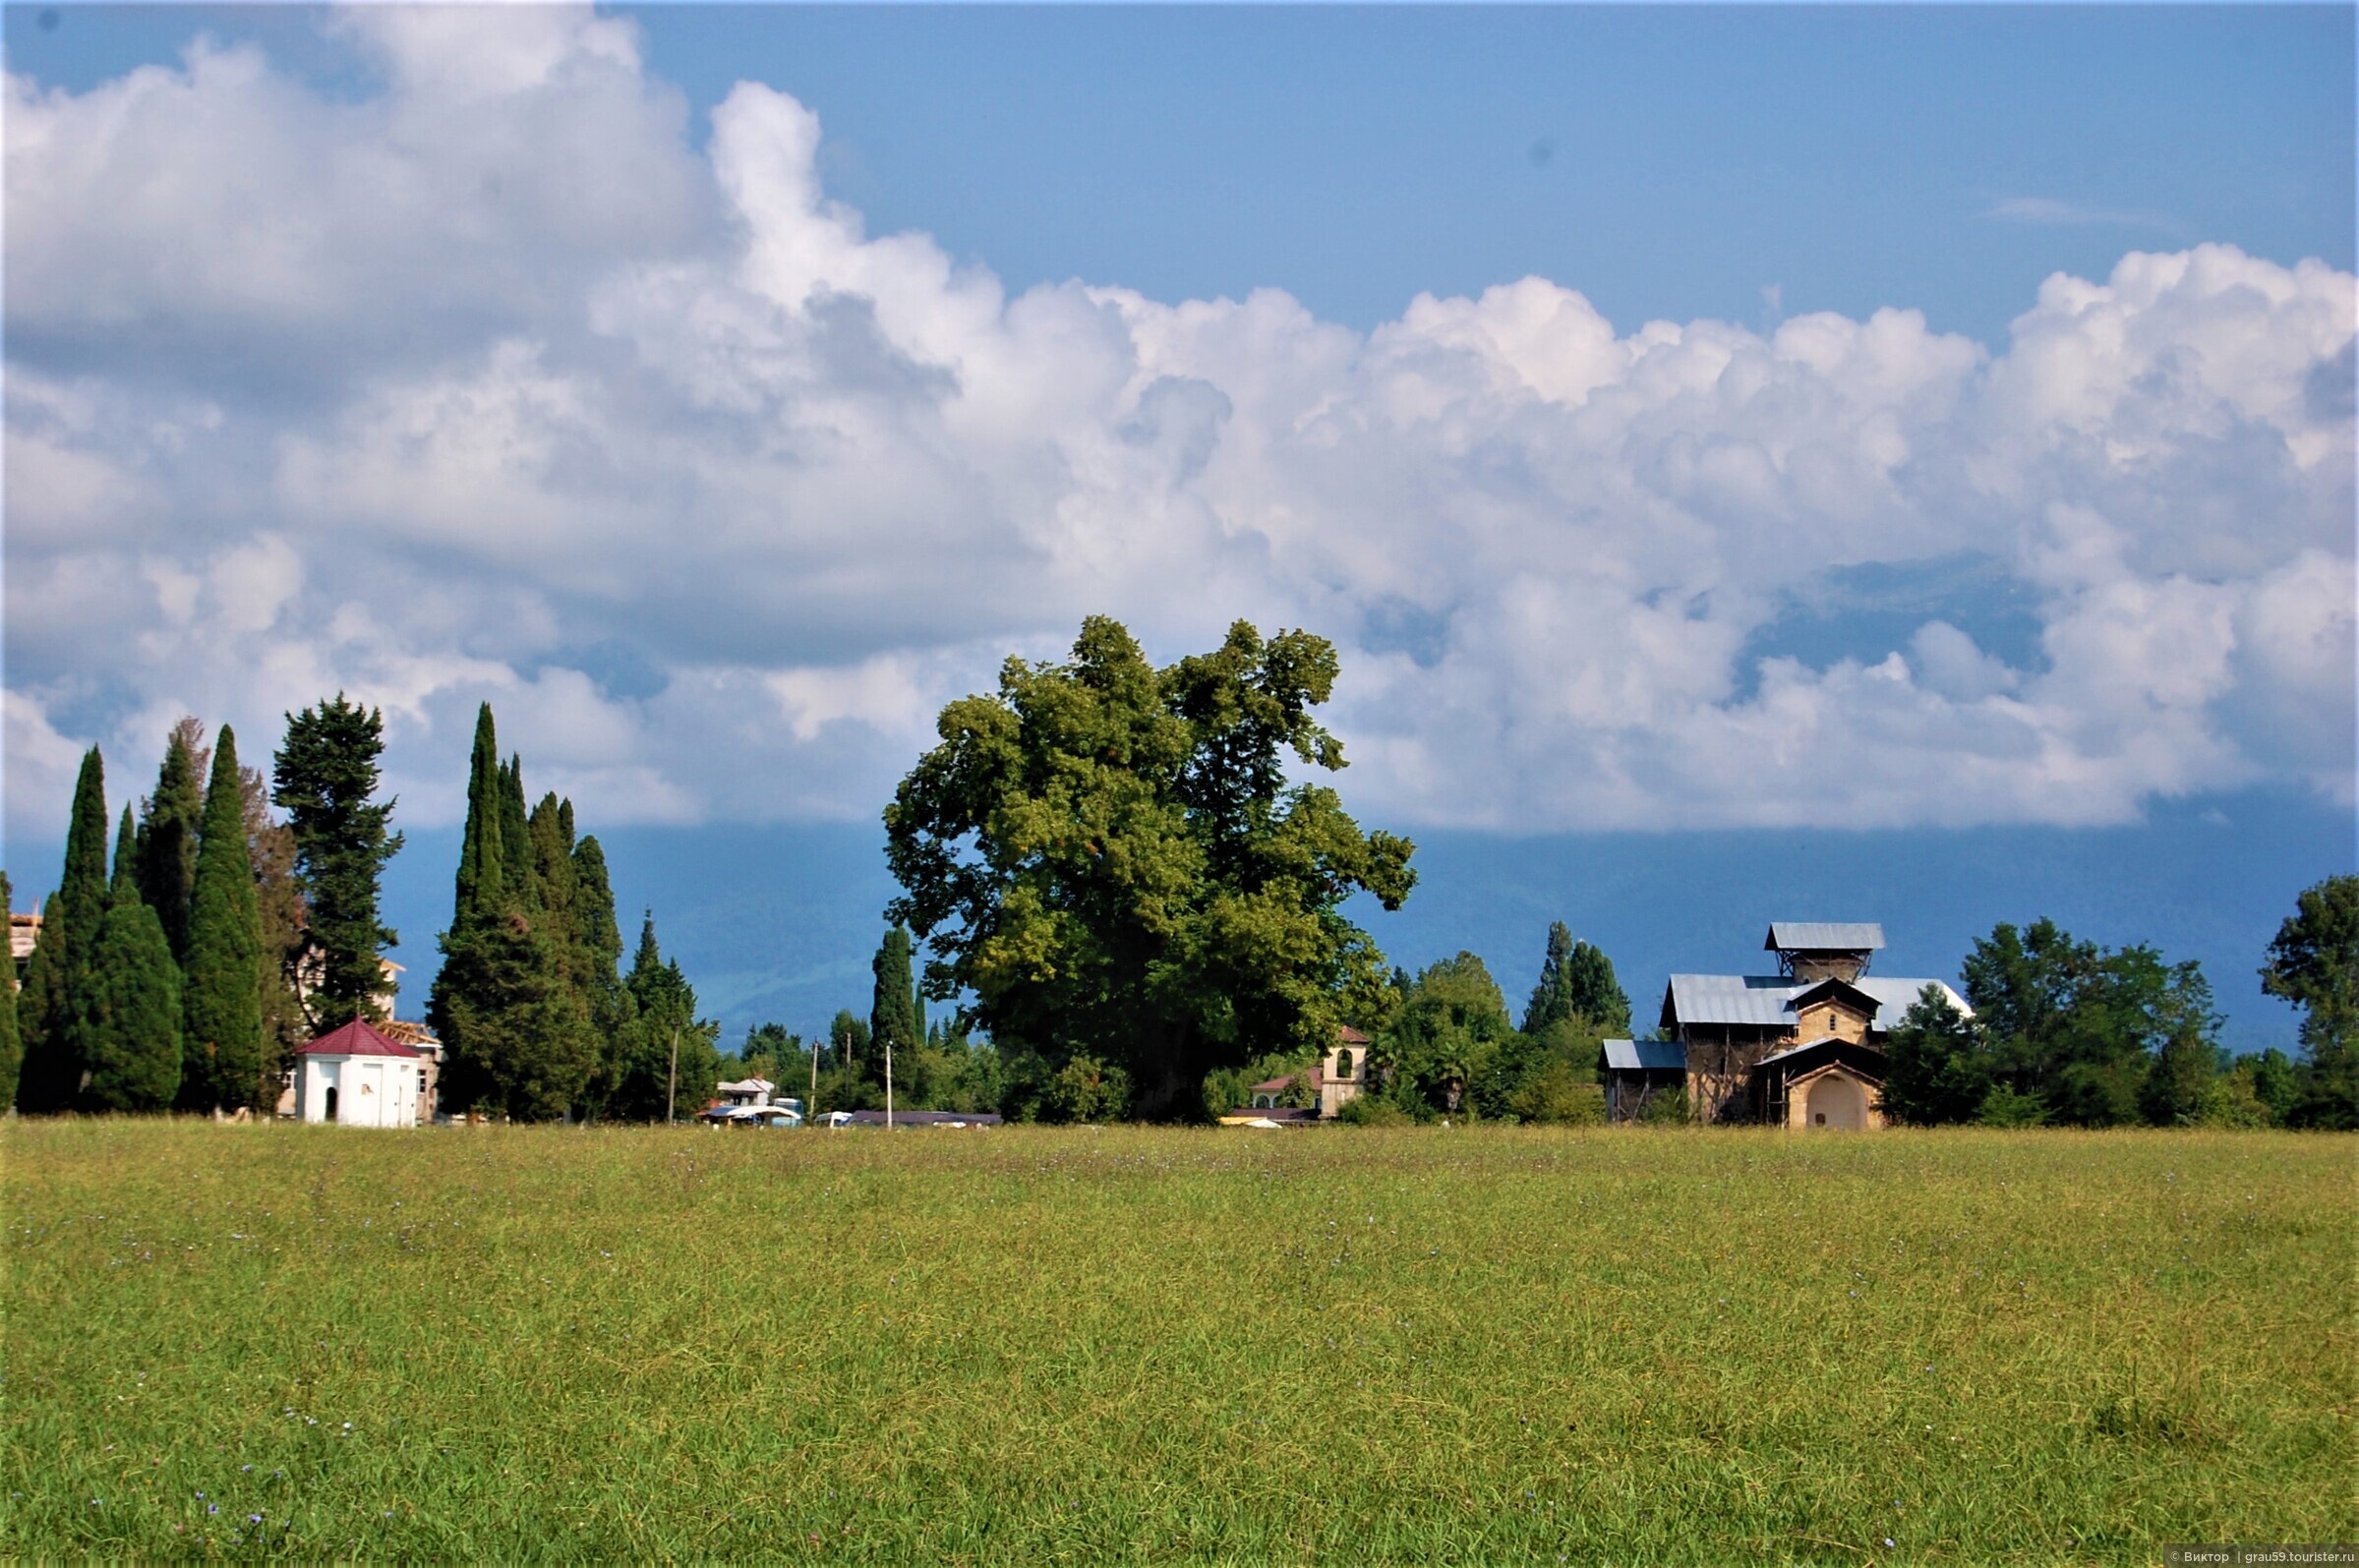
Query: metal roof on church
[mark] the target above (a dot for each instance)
(1646, 1055)
(1824, 936)
(1766, 1000)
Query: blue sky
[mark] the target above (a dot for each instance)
(1933, 425)
(1669, 161)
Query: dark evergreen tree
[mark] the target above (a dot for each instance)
(1576, 986)
(891, 1018)
(1552, 998)
(59, 989)
(2175, 1086)
(165, 858)
(12, 1044)
(221, 1002)
(41, 1011)
(598, 952)
(1936, 1067)
(131, 1028)
(664, 1026)
(513, 1003)
(325, 774)
(1596, 994)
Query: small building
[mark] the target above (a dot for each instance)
(752, 1092)
(360, 1076)
(1801, 1048)
(1333, 1081)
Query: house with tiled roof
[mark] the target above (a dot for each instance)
(1801, 1048)
(1333, 1081)
(359, 1075)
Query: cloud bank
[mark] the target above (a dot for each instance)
(506, 382)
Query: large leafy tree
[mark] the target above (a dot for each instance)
(1451, 1031)
(164, 860)
(2078, 1026)
(324, 779)
(1937, 1068)
(226, 968)
(131, 1019)
(59, 983)
(1110, 859)
(2314, 963)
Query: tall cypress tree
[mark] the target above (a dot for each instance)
(12, 1044)
(598, 950)
(324, 779)
(166, 860)
(513, 1003)
(460, 1008)
(891, 1018)
(1552, 998)
(131, 1025)
(221, 1003)
(58, 988)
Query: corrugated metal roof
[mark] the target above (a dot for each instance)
(1824, 936)
(1646, 1055)
(1753, 999)
(1898, 995)
(1766, 1000)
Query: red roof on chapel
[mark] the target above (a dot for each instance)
(357, 1038)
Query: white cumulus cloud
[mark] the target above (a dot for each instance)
(493, 384)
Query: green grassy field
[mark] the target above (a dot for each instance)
(1038, 1346)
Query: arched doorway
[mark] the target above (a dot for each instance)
(1837, 1101)
(331, 1102)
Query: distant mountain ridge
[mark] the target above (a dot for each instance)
(778, 922)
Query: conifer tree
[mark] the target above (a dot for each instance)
(131, 1025)
(40, 1016)
(598, 950)
(1577, 982)
(221, 1003)
(165, 858)
(12, 1044)
(58, 989)
(513, 1003)
(664, 1007)
(891, 1020)
(324, 779)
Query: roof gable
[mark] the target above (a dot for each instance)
(357, 1038)
(1824, 936)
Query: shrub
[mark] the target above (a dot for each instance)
(1375, 1110)
(2009, 1106)
(1666, 1108)
(1557, 1094)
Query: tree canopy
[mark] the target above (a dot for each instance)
(325, 778)
(2314, 963)
(1108, 857)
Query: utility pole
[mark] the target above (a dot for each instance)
(811, 1107)
(888, 1082)
(672, 1085)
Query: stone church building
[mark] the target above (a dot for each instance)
(1802, 1048)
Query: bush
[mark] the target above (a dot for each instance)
(1664, 1108)
(1557, 1094)
(1086, 1089)
(2008, 1106)
(1375, 1110)
(2230, 1102)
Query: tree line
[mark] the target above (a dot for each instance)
(2071, 1033)
(180, 975)
(1128, 882)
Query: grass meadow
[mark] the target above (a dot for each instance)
(1034, 1346)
